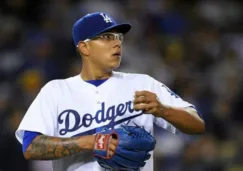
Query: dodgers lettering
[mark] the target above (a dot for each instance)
(101, 115)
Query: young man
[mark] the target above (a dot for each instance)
(62, 121)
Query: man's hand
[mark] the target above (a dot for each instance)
(112, 144)
(124, 148)
(189, 121)
(149, 103)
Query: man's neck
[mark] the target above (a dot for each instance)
(95, 75)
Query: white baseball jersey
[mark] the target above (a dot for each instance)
(72, 107)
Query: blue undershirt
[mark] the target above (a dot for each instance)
(29, 136)
(96, 82)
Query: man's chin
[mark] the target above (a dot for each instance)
(110, 69)
(116, 66)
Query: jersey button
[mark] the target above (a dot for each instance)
(97, 92)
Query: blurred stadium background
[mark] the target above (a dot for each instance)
(195, 47)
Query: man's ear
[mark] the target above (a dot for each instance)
(83, 49)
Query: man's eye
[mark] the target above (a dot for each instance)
(108, 37)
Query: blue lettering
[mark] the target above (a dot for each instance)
(129, 106)
(120, 110)
(171, 92)
(87, 120)
(110, 113)
(102, 115)
(67, 121)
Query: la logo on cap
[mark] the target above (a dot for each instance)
(106, 18)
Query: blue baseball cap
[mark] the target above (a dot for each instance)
(94, 24)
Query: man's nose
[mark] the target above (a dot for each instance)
(117, 43)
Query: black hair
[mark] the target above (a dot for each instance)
(78, 53)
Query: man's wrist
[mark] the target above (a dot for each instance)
(165, 111)
(87, 142)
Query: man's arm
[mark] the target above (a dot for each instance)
(50, 148)
(184, 119)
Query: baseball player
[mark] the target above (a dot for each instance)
(61, 123)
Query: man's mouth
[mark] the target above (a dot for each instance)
(117, 54)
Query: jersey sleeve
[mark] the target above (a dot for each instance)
(167, 97)
(41, 114)
(28, 138)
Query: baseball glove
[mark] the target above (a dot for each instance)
(134, 145)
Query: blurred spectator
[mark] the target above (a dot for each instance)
(11, 155)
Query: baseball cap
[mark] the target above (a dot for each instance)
(94, 24)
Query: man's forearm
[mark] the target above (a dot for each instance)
(184, 119)
(50, 148)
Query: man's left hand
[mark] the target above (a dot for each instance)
(148, 102)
